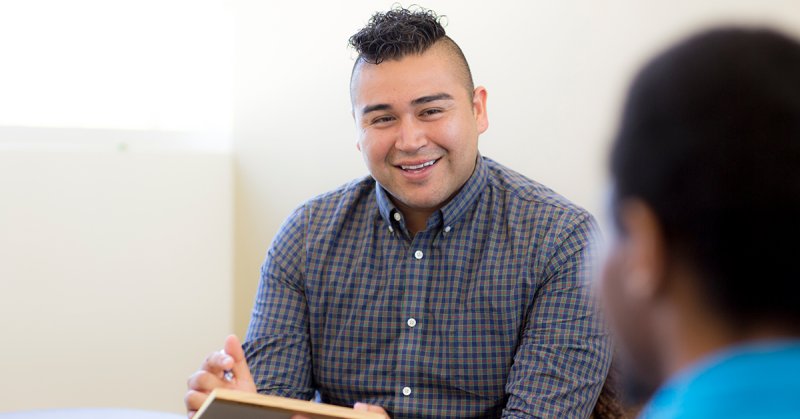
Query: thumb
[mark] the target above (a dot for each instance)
(241, 371)
(233, 348)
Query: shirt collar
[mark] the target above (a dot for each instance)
(450, 213)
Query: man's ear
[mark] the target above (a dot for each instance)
(646, 248)
(479, 108)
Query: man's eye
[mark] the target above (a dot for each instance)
(382, 120)
(431, 112)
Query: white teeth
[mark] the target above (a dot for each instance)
(419, 166)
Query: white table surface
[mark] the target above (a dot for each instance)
(89, 414)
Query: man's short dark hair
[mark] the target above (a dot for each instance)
(401, 32)
(710, 140)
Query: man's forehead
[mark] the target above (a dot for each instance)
(404, 80)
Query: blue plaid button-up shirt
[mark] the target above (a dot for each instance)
(484, 313)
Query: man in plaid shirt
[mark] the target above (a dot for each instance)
(442, 285)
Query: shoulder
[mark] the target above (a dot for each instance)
(356, 192)
(758, 380)
(534, 201)
(553, 228)
(323, 216)
(330, 214)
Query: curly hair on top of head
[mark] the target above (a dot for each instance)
(399, 32)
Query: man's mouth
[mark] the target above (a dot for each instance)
(420, 166)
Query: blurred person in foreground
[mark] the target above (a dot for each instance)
(702, 281)
(444, 284)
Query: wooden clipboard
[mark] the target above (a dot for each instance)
(232, 404)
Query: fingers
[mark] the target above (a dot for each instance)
(231, 358)
(216, 363)
(204, 381)
(193, 400)
(200, 384)
(370, 408)
(212, 372)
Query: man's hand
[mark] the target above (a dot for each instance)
(363, 407)
(212, 375)
(370, 408)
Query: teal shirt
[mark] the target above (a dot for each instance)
(760, 380)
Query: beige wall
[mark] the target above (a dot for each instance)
(555, 72)
(115, 268)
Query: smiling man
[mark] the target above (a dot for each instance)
(443, 284)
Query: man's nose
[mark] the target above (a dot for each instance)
(411, 136)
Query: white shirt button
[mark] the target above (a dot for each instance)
(397, 216)
(447, 229)
(411, 322)
(391, 230)
(418, 254)
(406, 391)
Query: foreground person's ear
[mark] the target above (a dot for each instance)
(647, 257)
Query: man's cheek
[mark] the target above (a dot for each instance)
(610, 288)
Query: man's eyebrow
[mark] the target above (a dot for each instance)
(372, 108)
(418, 101)
(431, 98)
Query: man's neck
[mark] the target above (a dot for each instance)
(416, 219)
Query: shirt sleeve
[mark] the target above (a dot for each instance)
(277, 342)
(564, 354)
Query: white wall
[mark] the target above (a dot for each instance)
(116, 199)
(160, 65)
(555, 72)
(115, 268)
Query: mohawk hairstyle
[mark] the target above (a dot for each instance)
(397, 33)
(400, 32)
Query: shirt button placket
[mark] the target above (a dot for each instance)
(419, 271)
